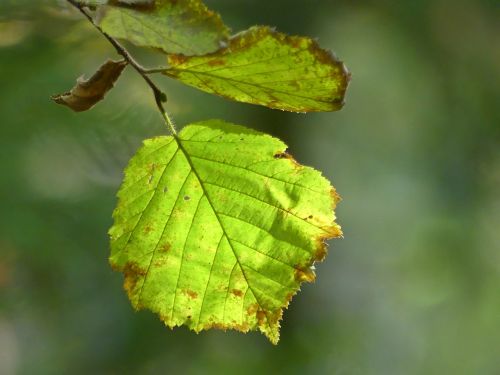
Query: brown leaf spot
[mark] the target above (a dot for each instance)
(244, 327)
(216, 62)
(176, 59)
(336, 197)
(148, 229)
(165, 247)
(287, 156)
(133, 273)
(241, 327)
(252, 309)
(304, 274)
(133, 268)
(261, 317)
(190, 293)
(237, 292)
(221, 326)
(282, 155)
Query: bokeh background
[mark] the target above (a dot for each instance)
(413, 288)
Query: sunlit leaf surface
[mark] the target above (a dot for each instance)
(262, 66)
(218, 228)
(187, 27)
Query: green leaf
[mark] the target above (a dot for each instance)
(187, 27)
(87, 93)
(262, 66)
(218, 227)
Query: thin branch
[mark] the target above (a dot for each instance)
(159, 95)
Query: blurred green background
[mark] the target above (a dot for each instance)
(413, 288)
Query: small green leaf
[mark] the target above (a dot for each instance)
(218, 227)
(88, 93)
(186, 27)
(262, 66)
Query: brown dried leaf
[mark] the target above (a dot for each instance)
(89, 92)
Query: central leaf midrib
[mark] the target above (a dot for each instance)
(258, 85)
(205, 192)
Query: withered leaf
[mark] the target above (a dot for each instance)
(89, 92)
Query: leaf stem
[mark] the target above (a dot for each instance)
(159, 95)
(170, 123)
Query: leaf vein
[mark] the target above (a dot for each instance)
(159, 238)
(264, 230)
(186, 240)
(268, 203)
(260, 174)
(147, 206)
(188, 158)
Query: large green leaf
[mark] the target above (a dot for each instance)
(262, 66)
(174, 26)
(217, 228)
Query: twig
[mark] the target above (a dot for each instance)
(160, 96)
